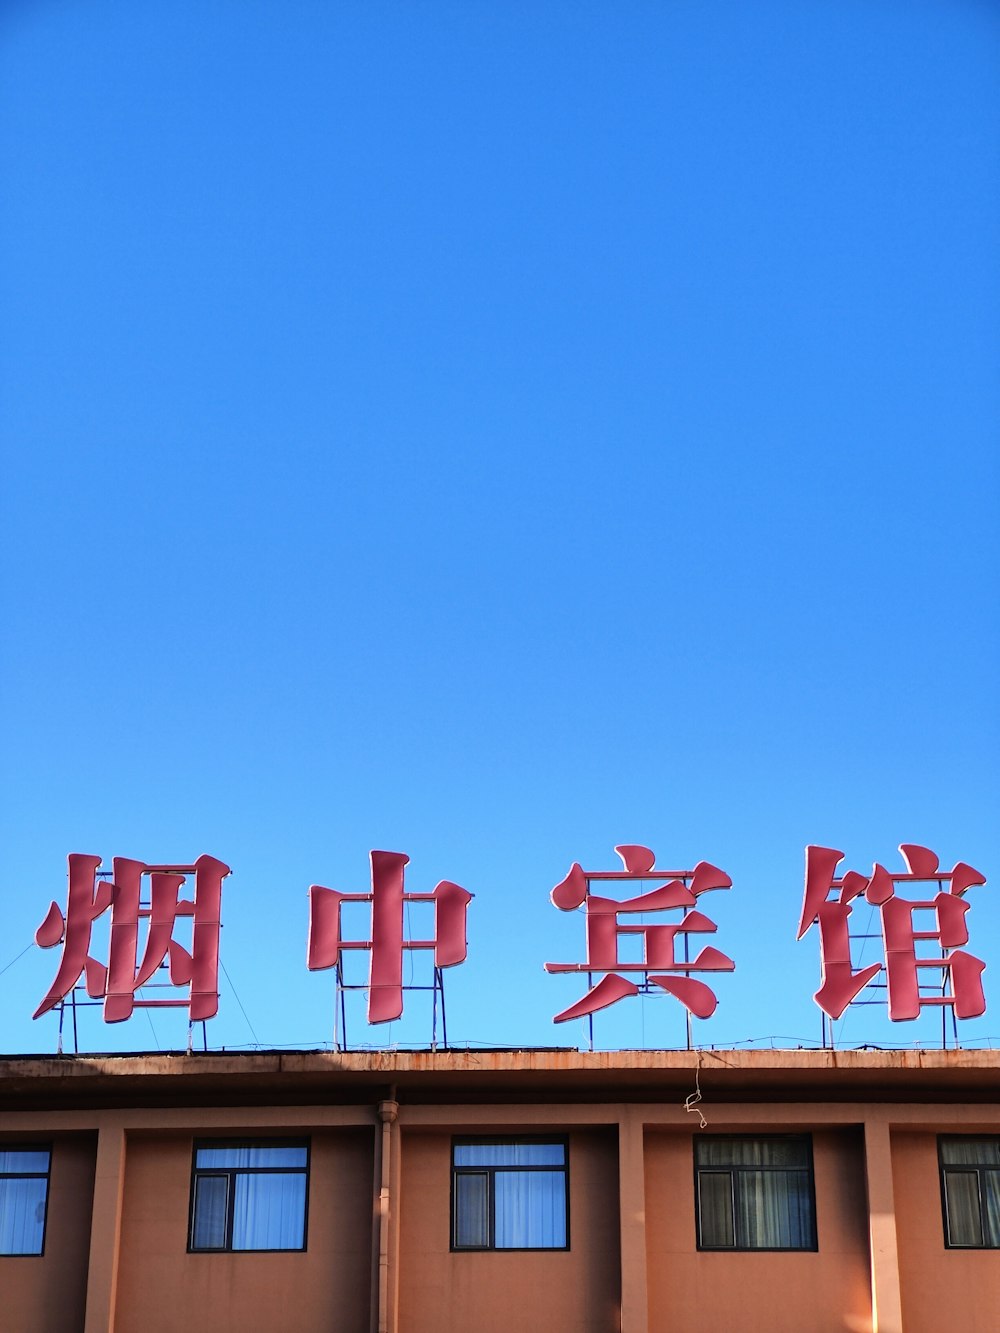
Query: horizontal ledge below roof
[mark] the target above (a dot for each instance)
(529, 1075)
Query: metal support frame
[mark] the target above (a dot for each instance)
(645, 987)
(878, 984)
(74, 1002)
(341, 987)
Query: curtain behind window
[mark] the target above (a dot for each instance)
(530, 1209)
(22, 1215)
(269, 1212)
(756, 1194)
(972, 1196)
(774, 1210)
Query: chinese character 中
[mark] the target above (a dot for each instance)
(659, 962)
(961, 972)
(385, 987)
(89, 897)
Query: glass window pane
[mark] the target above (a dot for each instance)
(510, 1154)
(270, 1212)
(24, 1159)
(472, 1218)
(22, 1215)
(251, 1156)
(989, 1184)
(961, 1191)
(530, 1209)
(208, 1226)
(774, 1210)
(712, 1151)
(970, 1152)
(715, 1207)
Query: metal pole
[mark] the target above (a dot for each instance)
(439, 977)
(687, 959)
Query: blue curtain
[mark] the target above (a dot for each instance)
(22, 1214)
(472, 1210)
(268, 1205)
(21, 1160)
(269, 1212)
(528, 1202)
(211, 1205)
(530, 1209)
(231, 1158)
(510, 1154)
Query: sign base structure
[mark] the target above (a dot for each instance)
(644, 986)
(877, 988)
(340, 1041)
(79, 999)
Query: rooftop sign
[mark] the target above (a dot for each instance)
(146, 900)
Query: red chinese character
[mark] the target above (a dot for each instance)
(841, 984)
(385, 986)
(603, 931)
(88, 898)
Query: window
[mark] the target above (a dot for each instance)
(249, 1196)
(755, 1194)
(970, 1188)
(509, 1195)
(24, 1193)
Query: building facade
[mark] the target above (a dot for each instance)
(489, 1191)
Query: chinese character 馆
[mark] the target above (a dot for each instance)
(960, 973)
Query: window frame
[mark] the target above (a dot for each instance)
(964, 1168)
(732, 1172)
(45, 1175)
(231, 1172)
(499, 1140)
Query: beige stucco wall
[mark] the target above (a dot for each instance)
(941, 1288)
(823, 1292)
(574, 1291)
(163, 1289)
(46, 1294)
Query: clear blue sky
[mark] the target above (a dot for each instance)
(495, 432)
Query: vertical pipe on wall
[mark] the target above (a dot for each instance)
(387, 1112)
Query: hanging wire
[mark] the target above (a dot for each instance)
(149, 1020)
(693, 1098)
(240, 1003)
(18, 958)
